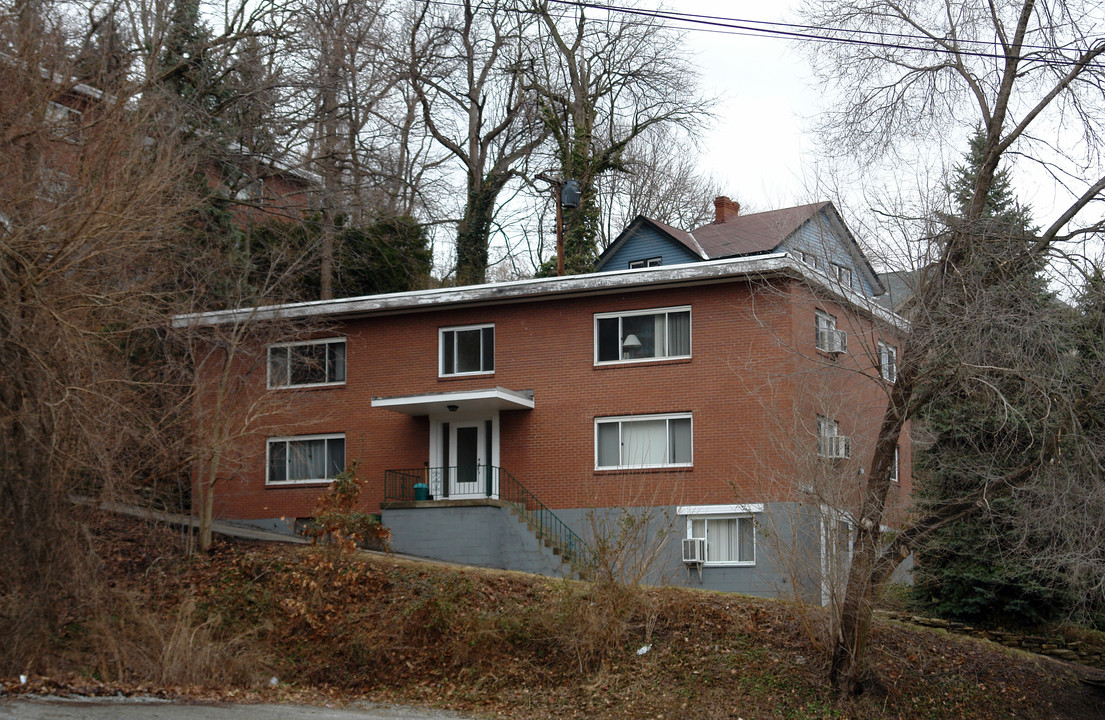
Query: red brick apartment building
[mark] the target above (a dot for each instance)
(727, 405)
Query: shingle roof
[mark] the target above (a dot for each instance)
(755, 233)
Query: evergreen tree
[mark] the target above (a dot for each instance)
(966, 570)
(385, 256)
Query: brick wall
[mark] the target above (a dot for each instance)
(753, 378)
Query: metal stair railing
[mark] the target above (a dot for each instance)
(493, 482)
(544, 522)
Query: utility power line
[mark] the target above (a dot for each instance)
(721, 24)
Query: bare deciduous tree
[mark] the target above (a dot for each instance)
(89, 199)
(1018, 70)
(661, 181)
(467, 71)
(605, 81)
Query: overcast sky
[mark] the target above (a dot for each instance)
(762, 149)
(758, 149)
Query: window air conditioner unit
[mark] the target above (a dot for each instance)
(836, 447)
(694, 551)
(833, 341)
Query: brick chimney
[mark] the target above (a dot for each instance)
(725, 209)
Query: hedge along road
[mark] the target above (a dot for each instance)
(151, 709)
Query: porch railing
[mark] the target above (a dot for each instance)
(429, 483)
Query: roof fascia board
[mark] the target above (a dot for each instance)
(536, 289)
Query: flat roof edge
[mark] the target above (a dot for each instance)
(415, 300)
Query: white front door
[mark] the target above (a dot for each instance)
(468, 471)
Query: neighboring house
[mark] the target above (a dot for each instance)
(900, 286)
(263, 188)
(814, 234)
(729, 405)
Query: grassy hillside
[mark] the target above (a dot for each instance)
(333, 626)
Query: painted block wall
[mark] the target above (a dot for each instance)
(486, 536)
(787, 545)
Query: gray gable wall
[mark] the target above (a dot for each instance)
(824, 238)
(647, 243)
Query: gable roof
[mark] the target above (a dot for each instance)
(755, 233)
(680, 237)
(900, 286)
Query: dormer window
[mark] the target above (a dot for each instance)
(647, 263)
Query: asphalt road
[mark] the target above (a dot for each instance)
(152, 709)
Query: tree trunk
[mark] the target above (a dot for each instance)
(848, 669)
(474, 230)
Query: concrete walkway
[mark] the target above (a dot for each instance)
(221, 527)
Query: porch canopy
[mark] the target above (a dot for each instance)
(467, 401)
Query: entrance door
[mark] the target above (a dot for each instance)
(468, 476)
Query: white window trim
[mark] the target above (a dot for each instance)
(829, 429)
(302, 343)
(297, 438)
(642, 418)
(809, 259)
(441, 350)
(251, 189)
(634, 313)
(895, 469)
(646, 262)
(888, 362)
(744, 511)
(832, 517)
(840, 272)
(822, 317)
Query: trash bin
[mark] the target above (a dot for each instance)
(421, 491)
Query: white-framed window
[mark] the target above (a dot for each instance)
(304, 459)
(64, 121)
(467, 350)
(251, 190)
(826, 337)
(729, 532)
(643, 335)
(830, 443)
(307, 363)
(643, 441)
(842, 274)
(646, 263)
(809, 259)
(888, 362)
(894, 468)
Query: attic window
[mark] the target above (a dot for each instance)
(647, 263)
(842, 274)
(808, 258)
